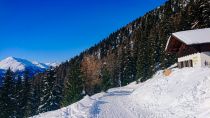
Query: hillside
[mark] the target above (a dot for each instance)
(135, 52)
(183, 94)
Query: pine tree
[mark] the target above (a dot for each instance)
(1, 101)
(51, 93)
(43, 92)
(129, 66)
(205, 12)
(55, 100)
(8, 96)
(106, 80)
(74, 85)
(36, 98)
(19, 98)
(142, 60)
(27, 95)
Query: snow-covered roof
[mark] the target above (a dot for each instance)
(190, 37)
(194, 36)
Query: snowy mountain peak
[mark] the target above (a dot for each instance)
(15, 64)
(10, 58)
(20, 65)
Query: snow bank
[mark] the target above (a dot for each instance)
(183, 94)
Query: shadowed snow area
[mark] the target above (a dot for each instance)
(183, 94)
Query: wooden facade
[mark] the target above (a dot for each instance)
(175, 45)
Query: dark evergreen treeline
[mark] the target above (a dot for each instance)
(22, 97)
(133, 53)
(15, 95)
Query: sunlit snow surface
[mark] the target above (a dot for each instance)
(197, 36)
(183, 94)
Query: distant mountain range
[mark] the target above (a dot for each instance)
(18, 65)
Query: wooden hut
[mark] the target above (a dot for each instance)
(192, 47)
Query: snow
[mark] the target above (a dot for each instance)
(53, 64)
(14, 64)
(41, 65)
(194, 36)
(183, 94)
(18, 64)
(190, 37)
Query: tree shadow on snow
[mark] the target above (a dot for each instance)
(119, 93)
(96, 108)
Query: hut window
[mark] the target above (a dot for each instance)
(182, 64)
(190, 63)
(187, 63)
(206, 63)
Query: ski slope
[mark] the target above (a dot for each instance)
(183, 94)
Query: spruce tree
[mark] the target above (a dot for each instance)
(27, 95)
(74, 85)
(56, 97)
(106, 80)
(19, 97)
(1, 102)
(36, 98)
(45, 90)
(51, 93)
(8, 96)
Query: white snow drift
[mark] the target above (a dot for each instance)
(183, 94)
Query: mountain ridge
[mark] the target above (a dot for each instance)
(19, 65)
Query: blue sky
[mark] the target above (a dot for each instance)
(56, 30)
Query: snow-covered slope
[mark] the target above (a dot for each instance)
(183, 94)
(20, 65)
(52, 64)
